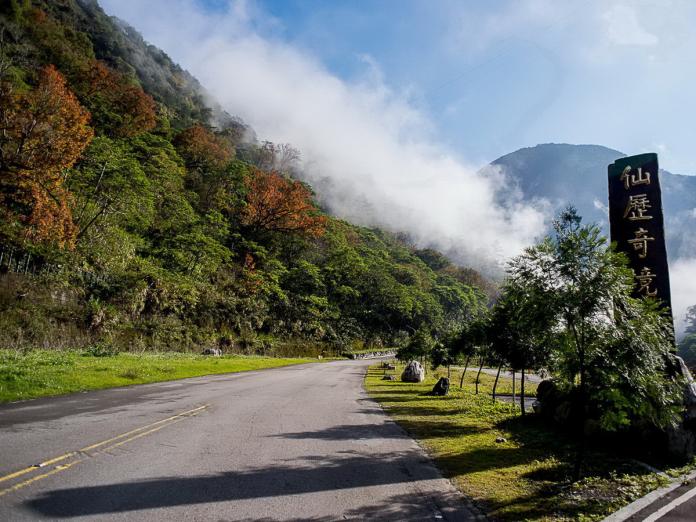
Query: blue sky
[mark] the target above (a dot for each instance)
(396, 105)
(495, 76)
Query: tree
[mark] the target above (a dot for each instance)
(519, 333)
(118, 107)
(687, 346)
(108, 183)
(202, 149)
(419, 346)
(271, 156)
(211, 171)
(691, 320)
(471, 342)
(42, 133)
(279, 204)
(612, 349)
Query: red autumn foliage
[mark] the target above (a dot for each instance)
(280, 204)
(135, 108)
(202, 149)
(42, 132)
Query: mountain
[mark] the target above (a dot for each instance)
(577, 174)
(136, 214)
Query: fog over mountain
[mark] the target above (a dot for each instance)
(577, 174)
(368, 153)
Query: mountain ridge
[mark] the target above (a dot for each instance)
(564, 173)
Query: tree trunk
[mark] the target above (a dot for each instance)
(522, 392)
(466, 365)
(582, 443)
(478, 375)
(497, 376)
(448, 372)
(513, 388)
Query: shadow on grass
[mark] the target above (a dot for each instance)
(538, 458)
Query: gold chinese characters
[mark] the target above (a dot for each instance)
(640, 178)
(640, 243)
(637, 209)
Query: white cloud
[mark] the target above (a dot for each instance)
(623, 27)
(600, 206)
(368, 139)
(683, 282)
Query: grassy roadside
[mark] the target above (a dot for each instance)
(43, 373)
(526, 477)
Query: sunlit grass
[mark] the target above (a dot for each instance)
(526, 477)
(42, 373)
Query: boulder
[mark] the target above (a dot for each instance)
(689, 388)
(548, 397)
(441, 388)
(388, 378)
(681, 443)
(544, 389)
(215, 352)
(413, 372)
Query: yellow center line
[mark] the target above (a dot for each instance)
(67, 466)
(38, 477)
(53, 460)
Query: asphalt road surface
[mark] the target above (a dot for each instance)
(295, 443)
(677, 506)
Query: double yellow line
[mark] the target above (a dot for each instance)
(96, 448)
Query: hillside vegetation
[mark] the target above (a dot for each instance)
(136, 217)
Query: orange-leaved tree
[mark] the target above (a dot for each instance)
(42, 133)
(202, 149)
(118, 105)
(280, 204)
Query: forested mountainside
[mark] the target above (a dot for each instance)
(563, 173)
(138, 215)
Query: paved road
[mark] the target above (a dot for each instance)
(677, 506)
(295, 443)
(529, 377)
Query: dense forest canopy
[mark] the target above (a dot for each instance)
(136, 215)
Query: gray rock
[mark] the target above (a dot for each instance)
(413, 372)
(500, 440)
(689, 388)
(441, 388)
(215, 352)
(388, 378)
(681, 442)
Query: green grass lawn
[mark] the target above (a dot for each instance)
(524, 478)
(47, 372)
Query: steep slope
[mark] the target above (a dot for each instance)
(577, 174)
(134, 214)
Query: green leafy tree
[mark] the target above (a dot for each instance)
(687, 346)
(519, 332)
(613, 349)
(471, 342)
(419, 346)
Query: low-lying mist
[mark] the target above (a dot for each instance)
(366, 147)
